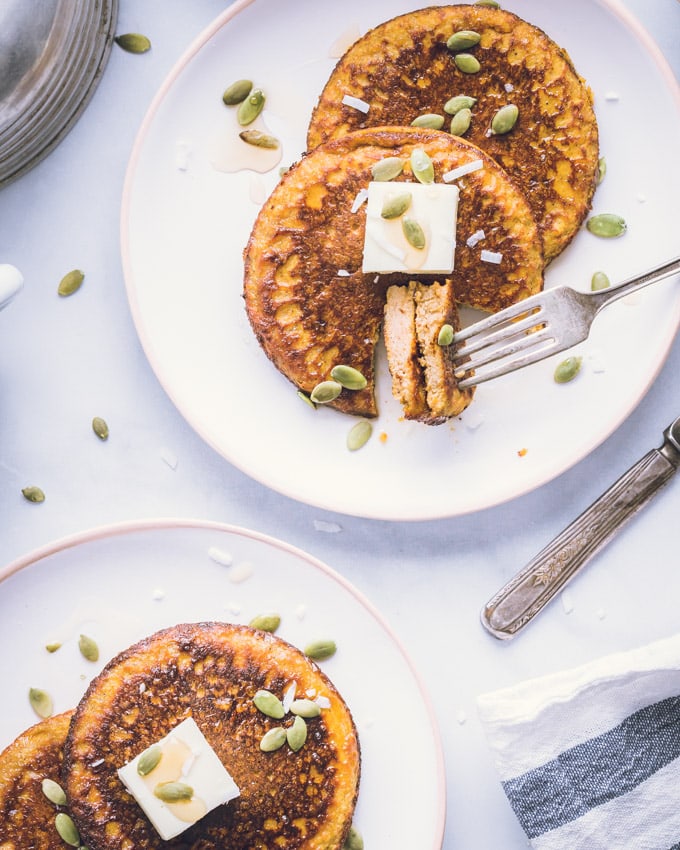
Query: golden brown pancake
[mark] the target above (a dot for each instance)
(309, 303)
(403, 69)
(211, 671)
(26, 815)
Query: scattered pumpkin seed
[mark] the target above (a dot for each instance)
(349, 377)
(33, 494)
(133, 42)
(607, 225)
(505, 119)
(265, 622)
(237, 92)
(421, 166)
(325, 391)
(430, 120)
(359, 434)
(296, 735)
(445, 335)
(567, 370)
(53, 647)
(460, 123)
(387, 169)
(269, 704)
(88, 648)
(273, 740)
(395, 205)
(100, 428)
(598, 281)
(307, 400)
(318, 650)
(70, 283)
(467, 63)
(492, 4)
(41, 702)
(149, 760)
(414, 233)
(463, 40)
(460, 101)
(354, 840)
(173, 792)
(250, 108)
(54, 792)
(601, 169)
(67, 830)
(305, 708)
(259, 139)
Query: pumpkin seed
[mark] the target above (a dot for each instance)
(250, 108)
(133, 42)
(237, 92)
(462, 40)
(41, 702)
(325, 391)
(607, 225)
(421, 166)
(305, 708)
(394, 206)
(173, 792)
(601, 169)
(33, 494)
(430, 120)
(318, 650)
(296, 735)
(349, 377)
(387, 169)
(359, 434)
(67, 830)
(53, 647)
(273, 740)
(265, 622)
(598, 281)
(414, 233)
(467, 63)
(460, 101)
(505, 119)
(491, 4)
(100, 428)
(70, 283)
(354, 841)
(460, 123)
(149, 760)
(445, 335)
(54, 792)
(567, 370)
(88, 648)
(269, 704)
(307, 400)
(259, 139)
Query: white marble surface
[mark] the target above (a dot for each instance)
(62, 361)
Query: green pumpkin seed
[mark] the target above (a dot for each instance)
(67, 830)
(387, 169)
(460, 123)
(258, 139)
(41, 702)
(421, 166)
(463, 40)
(237, 92)
(296, 735)
(349, 377)
(305, 708)
(414, 233)
(359, 434)
(133, 42)
(265, 622)
(70, 283)
(269, 704)
(320, 649)
(567, 370)
(460, 101)
(54, 792)
(395, 205)
(53, 647)
(601, 169)
(250, 108)
(149, 760)
(325, 391)
(100, 428)
(33, 494)
(88, 648)
(173, 792)
(491, 4)
(354, 841)
(607, 225)
(445, 335)
(598, 281)
(467, 63)
(273, 740)
(307, 400)
(505, 119)
(429, 120)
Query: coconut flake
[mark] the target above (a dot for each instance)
(567, 604)
(241, 572)
(342, 273)
(329, 527)
(490, 256)
(356, 103)
(158, 594)
(467, 168)
(509, 87)
(169, 457)
(612, 96)
(476, 237)
(323, 702)
(359, 200)
(289, 696)
(219, 556)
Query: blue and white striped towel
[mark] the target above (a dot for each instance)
(589, 758)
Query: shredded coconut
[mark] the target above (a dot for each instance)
(342, 273)
(329, 527)
(476, 237)
(612, 96)
(356, 103)
(567, 604)
(509, 87)
(220, 557)
(241, 572)
(469, 167)
(359, 200)
(490, 256)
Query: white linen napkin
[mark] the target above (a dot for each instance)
(589, 758)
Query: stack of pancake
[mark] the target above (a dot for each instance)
(308, 301)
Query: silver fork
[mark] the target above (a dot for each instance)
(538, 327)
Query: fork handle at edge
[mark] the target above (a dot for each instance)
(620, 290)
(524, 596)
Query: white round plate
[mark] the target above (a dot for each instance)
(124, 582)
(185, 224)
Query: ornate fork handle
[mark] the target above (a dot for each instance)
(518, 602)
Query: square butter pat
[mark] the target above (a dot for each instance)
(188, 758)
(433, 206)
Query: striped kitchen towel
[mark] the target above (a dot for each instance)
(589, 758)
